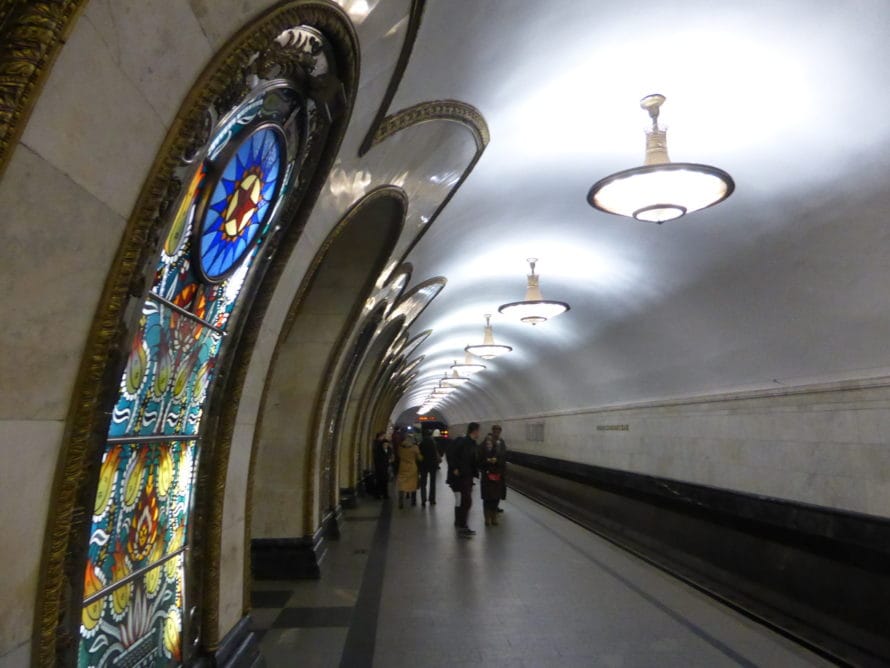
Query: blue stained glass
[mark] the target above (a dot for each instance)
(240, 202)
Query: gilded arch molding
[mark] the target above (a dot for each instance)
(224, 80)
(31, 36)
(437, 110)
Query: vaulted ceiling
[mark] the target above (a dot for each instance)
(782, 284)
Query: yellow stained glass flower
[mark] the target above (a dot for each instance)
(106, 479)
(172, 634)
(92, 613)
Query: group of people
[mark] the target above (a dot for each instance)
(416, 465)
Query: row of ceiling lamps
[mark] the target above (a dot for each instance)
(534, 309)
(656, 192)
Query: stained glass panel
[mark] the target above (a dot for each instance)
(175, 279)
(165, 382)
(241, 200)
(134, 578)
(137, 624)
(142, 506)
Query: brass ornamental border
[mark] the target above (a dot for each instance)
(31, 36)
(117, 313)
(436, 110)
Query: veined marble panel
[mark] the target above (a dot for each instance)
(158, 44)
(55, 259)
(25, 491)
(108, 134)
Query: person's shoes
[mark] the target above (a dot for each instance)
(423, 504)
(413, 502)
(500, 510)
(461, 534)
(433, 503)
(466, 531)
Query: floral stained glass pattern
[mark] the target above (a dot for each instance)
(240, 201)
(142, 507)
(134, 582)
(138, 624)
(168, 372)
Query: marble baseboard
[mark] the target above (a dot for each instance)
(287, 558)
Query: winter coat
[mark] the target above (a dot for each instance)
(461, 457)
(409, 456)
(491, 468)
(430, 455)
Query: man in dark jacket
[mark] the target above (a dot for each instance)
(428, 468)
(462, 468)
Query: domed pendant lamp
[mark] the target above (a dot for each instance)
(488, 349)
(468, 367)
(534, 309)
(660, 190)
(454, 379)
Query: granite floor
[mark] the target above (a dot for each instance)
(399, 589)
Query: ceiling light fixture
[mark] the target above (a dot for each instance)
(454, 379)
(660, 190)
(488, 349)
(468, 367)
(534, 309)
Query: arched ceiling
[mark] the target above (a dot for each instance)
(784, 283)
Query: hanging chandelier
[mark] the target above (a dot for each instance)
(534, 309)
(468, 367)
(660, 190)
(454, 379)
(488, 349)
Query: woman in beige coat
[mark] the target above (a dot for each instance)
(409, 455)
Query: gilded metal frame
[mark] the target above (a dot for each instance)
(31, 36)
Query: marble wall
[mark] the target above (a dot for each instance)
(825, 445)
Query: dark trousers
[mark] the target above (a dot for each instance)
(465, 487)
(382, 484)
(431, 476)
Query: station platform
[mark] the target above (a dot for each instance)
(400, 589)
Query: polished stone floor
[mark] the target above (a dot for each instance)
(399, 589)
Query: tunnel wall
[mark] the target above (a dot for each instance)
(824, 445)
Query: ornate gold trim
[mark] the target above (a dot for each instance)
(31, 36)
(414, 18)
(438, 110)
(58, 610)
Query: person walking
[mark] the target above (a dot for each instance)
(382, 455)
(462, 469)
(409, 456)
(429, 467)
(491, 469)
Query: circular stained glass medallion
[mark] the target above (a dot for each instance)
(240, 200)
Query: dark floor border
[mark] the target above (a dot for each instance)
(240, 648)
(358, 652)
(792, 565)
